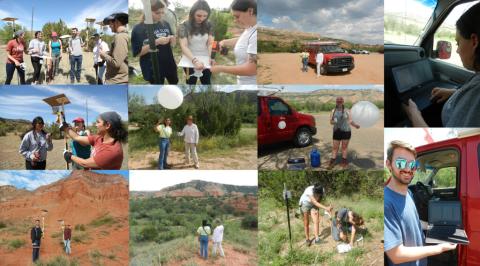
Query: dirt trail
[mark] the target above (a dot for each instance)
(365, 148)
(63, 75)
(286, 68)
(232, 257)
(10, 158)
(238, 158)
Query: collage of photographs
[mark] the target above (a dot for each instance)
(128, 133)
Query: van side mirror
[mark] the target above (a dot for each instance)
(444, 49)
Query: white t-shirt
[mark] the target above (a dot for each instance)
(306, 195)
(191, 133)
(96, 54)
(319, 58)
(246, 44)
(218, 234)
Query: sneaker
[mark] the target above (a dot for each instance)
(197, 166)
(344, 163)
(317, 241)
(308, 242)
(331, 164)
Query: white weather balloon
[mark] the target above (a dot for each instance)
(365, 113)
(170, 96)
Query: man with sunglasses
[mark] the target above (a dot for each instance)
(403, 234)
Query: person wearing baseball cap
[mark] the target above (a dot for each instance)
(79, 150)
(117, 58)
(15, 50)
(55, 49)
(341, 119)
(107, 152)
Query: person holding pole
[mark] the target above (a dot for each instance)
(107, 152)
(117, 58)
(309, 204)
(152, 41)
(35, 144)
(15, 50)
(79, 150)
(36, 234)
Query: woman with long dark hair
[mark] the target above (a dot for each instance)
(196, 39)
(164, 40)
(107, 150)
(461, 108)
(164, 130)
(245, 47)
(15, 50)
(341, 119)
(203, 232)
(35, 144)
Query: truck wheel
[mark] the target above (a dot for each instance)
(323, 70)
(303, 137)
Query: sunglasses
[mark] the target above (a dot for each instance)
(402, 164)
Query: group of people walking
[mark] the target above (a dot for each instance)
(196, 38)
(110, 63)
(86, 151)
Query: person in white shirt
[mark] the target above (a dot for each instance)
(191, 136)
(217, 239)
(98, 62)
(309, 204)
(319, 60)
(245, 47)
(37, 49)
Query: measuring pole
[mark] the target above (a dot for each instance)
(151, 40)
(65, 133)
(287, 195)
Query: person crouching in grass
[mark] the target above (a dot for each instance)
(346, 221)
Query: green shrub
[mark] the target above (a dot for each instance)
(3, 225)
(250, 222)
(106, 219)
(79, 227)
(16, 243)
(59, 261)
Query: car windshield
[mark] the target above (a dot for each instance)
(328, 49)
(405, 20)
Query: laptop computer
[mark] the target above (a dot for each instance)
(445, 223)
(416, 81)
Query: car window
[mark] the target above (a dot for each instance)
(277, 107)
(446, 32)
(445, 178)
(405, 20)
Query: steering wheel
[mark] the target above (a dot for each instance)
(422, 193)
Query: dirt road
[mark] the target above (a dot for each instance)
(63, 75)
(235, 159)
(286, 68)
(365, 150)
(10, 158)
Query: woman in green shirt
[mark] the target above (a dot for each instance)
(203, 232)
(165, 131)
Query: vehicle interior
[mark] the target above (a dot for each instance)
(436, 178)
(412, 71)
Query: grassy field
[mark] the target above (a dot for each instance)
(273, 236)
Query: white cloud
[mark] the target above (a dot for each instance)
(31, 180)
(98, 10)
(156, 180)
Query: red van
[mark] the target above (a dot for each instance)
(335, 60)
(450, 170)
(277, 122)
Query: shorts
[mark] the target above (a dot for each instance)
(336, 231)
(342, 135)
(307, 206)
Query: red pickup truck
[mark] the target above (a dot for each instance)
(335, 60)
(449, 170)
(277, 122)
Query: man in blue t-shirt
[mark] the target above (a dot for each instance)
(403, 234)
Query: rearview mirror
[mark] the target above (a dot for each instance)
(444, 49)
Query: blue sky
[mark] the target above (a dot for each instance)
(73, 13)
(150, 91)
(26, 102)
(31, 180)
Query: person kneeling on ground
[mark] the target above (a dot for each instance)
(107, 152)
(310, 203)
(346, 221)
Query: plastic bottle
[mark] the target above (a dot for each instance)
(315, 158)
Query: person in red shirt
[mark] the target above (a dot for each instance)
(15, 50)
(107, 152)
(67, 237)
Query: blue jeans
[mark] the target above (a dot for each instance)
(68, 250)
(305, 64)
(10, 68)
(162, 158)
(204, 246)
(75, 67)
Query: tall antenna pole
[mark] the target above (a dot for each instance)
(31, 26)
(86, 110)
